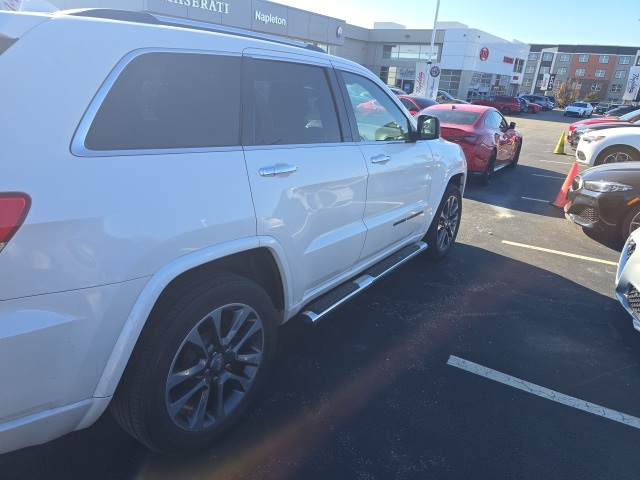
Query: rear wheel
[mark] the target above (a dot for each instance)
(516, 157)
(531, 110)
(198, 364)
(506, 110)
(487, 175)
(445, 225)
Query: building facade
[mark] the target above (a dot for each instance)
(603, 70)
(473, 63)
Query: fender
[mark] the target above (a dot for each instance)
(153, 289)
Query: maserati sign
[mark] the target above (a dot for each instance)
(210, 5)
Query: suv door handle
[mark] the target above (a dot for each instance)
(277, 170)
(380, 159)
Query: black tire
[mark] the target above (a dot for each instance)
(199, 362)
(616, 154)
(516, 157)
(445, 225)
(506, 110)
(531, 110)
(487, 175)
(630, 222)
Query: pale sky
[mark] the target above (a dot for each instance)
(584, 22)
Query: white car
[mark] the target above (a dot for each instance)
(582, 109)
(627, 287)
(610, 145)
(171, 196)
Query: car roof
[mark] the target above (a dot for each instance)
(465, 107)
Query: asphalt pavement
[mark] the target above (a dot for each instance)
(509, 359)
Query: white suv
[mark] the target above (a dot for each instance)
(170, 195)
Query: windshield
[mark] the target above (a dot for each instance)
(578, 104)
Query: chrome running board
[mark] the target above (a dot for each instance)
(336, 297)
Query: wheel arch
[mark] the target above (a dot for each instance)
(249, 258)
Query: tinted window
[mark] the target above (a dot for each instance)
(294, 104)
(170, 100)
(494, 120)
(377, 120)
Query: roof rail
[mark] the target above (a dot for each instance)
(154, 19)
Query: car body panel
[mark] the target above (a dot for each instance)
(587, 151)
(627, 282)
(505, 104)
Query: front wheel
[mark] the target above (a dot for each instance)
(630, 222)
(506, 110)
(617, 154)
(445, 225)
(198, 364)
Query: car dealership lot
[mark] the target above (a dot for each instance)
(509, 359)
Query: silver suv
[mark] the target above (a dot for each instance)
(189, 190)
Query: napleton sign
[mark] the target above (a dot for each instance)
(209, 5)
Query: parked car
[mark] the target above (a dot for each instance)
(169, 217)
(609, 146)
(605, 199)
(594, 127)
(628, 118)
(627, 284)
(446, 97)
(552, 101)
(488, 140)
(544, 101)
(603, 107)
(528, 107)
(507, 105)
(621, 110)
(581, 109)
(415, 103)
(397, 91)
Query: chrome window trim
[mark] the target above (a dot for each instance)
(78, 147)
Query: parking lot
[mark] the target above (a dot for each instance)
(509, 359)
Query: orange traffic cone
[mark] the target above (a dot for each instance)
(561, 199)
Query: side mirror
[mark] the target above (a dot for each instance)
(428, 127)
(512, 126)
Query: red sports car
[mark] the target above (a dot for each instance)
(630, 117)
(489, 142)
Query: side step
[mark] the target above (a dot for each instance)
(336, 297)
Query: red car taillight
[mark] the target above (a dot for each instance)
(13, 210)
(470, 139)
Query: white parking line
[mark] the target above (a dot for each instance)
(557, 252)
(535, 199)
(547, 176)
(553, 161)
(543, 392)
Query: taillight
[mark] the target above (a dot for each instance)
(13, 210)
(471, 139)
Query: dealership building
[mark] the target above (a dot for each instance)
(473, 63)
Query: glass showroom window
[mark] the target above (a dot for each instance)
(616, 88)
(624, 60)
(408, 52)
(562, 71)
(565, 57)
(583, 58)
(580, 72)
(547, 57)
(620, 74)
(532, 56)
(601, 73)
(603, 59)
(596, 87)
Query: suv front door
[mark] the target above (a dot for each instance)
(399, 169)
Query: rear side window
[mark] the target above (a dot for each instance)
(293, 104)
(166, 100)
